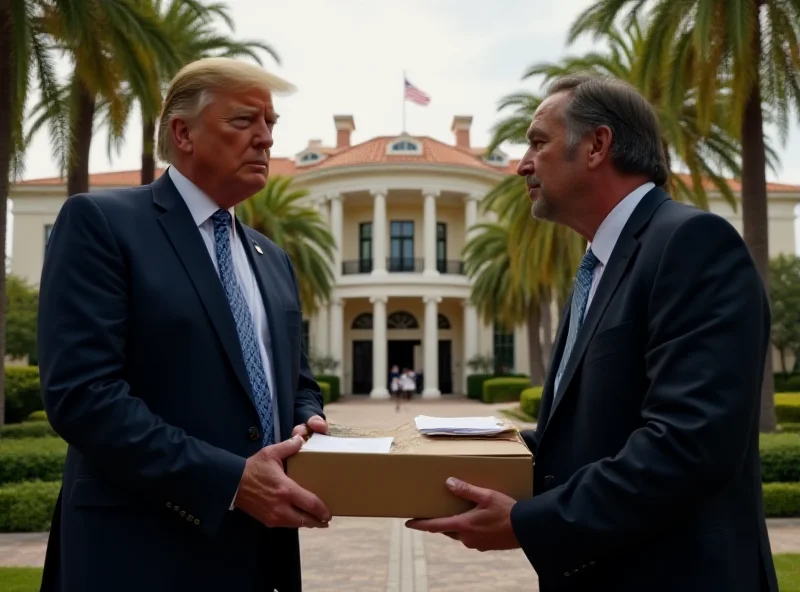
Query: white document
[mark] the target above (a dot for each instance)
(325, 443)
(460, 426)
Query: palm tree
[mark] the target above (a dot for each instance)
(24, 57)
(278, 213)
(188, 24)
(115, 47)
(743, 50)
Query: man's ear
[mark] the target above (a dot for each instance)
(600, 148)
(181, 135)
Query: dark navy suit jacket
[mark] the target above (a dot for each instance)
(143, 375)
(647, 474)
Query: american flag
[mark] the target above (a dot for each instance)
(416, 95)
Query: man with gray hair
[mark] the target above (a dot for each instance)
(647, 471)
(170, 360)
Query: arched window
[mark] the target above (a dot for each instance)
(362, 321)
(405, 146)
(443, 322)
(402, 320)
(310, 157)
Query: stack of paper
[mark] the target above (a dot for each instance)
(461, 426)
(325, 443)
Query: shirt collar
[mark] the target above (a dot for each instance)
(606, 236)
(201, 207)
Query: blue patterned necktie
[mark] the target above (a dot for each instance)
(244, 323)
(580, 296)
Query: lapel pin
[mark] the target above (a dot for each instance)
(258, 249)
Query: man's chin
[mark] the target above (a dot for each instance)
(539, 209)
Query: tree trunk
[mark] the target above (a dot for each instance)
(83, 105)
(534, 344)
(547, 330)
(148, 150)
(754, 216)
(7, 75)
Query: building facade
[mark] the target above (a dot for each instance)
(401, 209)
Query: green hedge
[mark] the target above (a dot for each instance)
(475, 383)
(334, 384)
(506, 388)
(23, 395)
(787, 384)
(28, 429)
(28, 507)
(780, 457)
(326, 392)
(31, 459)
(530, 400)
(787, 407)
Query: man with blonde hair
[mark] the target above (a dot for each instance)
(171, 363)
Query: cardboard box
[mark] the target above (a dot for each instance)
(409, 481)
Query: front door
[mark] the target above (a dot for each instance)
(362, 367)
(445, 366)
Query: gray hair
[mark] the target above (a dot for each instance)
(636, 146)
(193, 88)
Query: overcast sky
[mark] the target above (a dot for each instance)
(348, 57)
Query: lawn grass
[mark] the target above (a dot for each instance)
(788, 567)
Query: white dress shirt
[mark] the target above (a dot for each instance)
(202, 208)
(605, 239)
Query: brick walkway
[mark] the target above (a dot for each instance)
(381, 555)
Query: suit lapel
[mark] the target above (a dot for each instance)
(555, 359)
(264, 265)
(621, 257)
(182, 232)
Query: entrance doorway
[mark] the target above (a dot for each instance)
(362, 367)
(445, 366)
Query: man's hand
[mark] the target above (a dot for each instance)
(487, 527)
(269, 496)
(315, 424)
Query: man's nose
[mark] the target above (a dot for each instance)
(263, 138)
(525, 167)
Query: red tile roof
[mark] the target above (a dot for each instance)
(370, 152)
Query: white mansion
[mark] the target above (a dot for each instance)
(400, 209)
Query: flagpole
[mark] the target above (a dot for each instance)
(404, 102)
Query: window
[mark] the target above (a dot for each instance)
(365, 247)
(441, 247)
(304, 337)
(443, 321)
(402, 320)
(405, 146)
(362, 321)
(496, 158)
(503, 350)
(401, 246)
(310, 157)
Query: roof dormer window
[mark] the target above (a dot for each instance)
(310, 157)
(404, 146)
(497, 158)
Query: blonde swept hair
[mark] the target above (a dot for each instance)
(192, 90)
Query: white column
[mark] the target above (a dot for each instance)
(470, 336)
(379, 232)
(321, 340)
(470, 213)
(379, 354)
(431, 347)
(430, 232)
(336, 230)
(336, 342)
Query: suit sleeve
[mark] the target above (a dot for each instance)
(708, 329)
(308, 398)
(82, 359)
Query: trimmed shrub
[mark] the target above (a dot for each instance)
(782, 500)
(789, 428)
(787, 407)
(501, 390)
(475, 385)
(326, 392)
(333, 383)
(31, 459)
(28, 429)
(787, 384)
(38, 416)
(28, 507)
(530, 400)
(23, 395)
(780, 457)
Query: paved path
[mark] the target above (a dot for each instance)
(381, 555)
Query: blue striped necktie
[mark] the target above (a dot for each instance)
(580, 296)
(244, 324)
